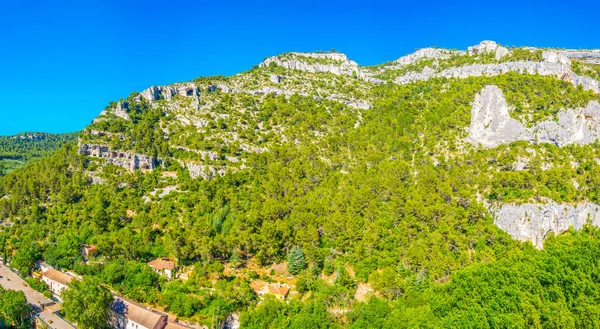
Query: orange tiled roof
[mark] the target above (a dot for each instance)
(271, 288)
(278, 290)
(162, 264)
(258, 286)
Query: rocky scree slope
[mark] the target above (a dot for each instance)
(210, 126)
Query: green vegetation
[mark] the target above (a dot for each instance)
(17, 150)
(14, 309)
(87, 303)
(586, 69)
(390, 199)
(461, 59)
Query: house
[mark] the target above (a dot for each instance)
(57, 281)
(126, 314)
(163, 266)
(278, 291)
(88, 250)
(184, 275)
(176, 325)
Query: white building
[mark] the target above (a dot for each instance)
(164, 267)
(57, 281)
(129, 315)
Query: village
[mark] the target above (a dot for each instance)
(125, 313)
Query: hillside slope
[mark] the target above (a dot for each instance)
(17, 150)
(419, 182)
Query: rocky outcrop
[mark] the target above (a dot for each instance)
(588, 56)
(429, 53)
(555, 57)
(155, 93)
(556, 69)
(532, 221)
(334, 63)
(359, 104)
(127, 160)
(491, 124)
(204, 171)
(488, 46)
(122, 110)
(275, 78)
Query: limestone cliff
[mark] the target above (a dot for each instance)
(532, 221)
(556, 68)
(127, 160)
(491, 124)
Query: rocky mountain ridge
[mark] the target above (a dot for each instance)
(227, 112)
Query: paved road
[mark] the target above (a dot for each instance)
(9, 280)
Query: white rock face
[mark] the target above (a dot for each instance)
(556, 69)
(486, 46)
(341, 65)
(501, 52)
(491, 124)
(532, 222)
(434, 53)
(555, 57)
(127, 160)
(121, 110)
(155, 93)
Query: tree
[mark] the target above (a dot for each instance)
(14, 308)
(87, 303)
(25, 258)
(296, 261)
(234, 260)
(2, 169)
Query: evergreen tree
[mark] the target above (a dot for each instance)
(296, 261)
(235, 258)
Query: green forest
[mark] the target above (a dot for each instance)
(396, 203)
(17, 150)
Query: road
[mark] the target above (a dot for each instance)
(9, 280)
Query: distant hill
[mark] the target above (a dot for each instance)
(17, 150)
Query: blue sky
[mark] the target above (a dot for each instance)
(63, 61)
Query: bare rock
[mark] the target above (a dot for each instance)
(430, 53)
(555, 57)
(155, 93)
(483, 47)
(122, 110)
(556, 69)
(275, 78)
(532, 221)
(501, 52)
(334, 63)
(127, 160)
(491, 124)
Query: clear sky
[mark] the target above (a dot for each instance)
(61, 62)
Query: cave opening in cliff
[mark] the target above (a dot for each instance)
(190, 92)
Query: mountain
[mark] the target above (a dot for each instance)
(17, 150)
(446, 188)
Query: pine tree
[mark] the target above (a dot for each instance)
(296, 261)
(234, 260)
